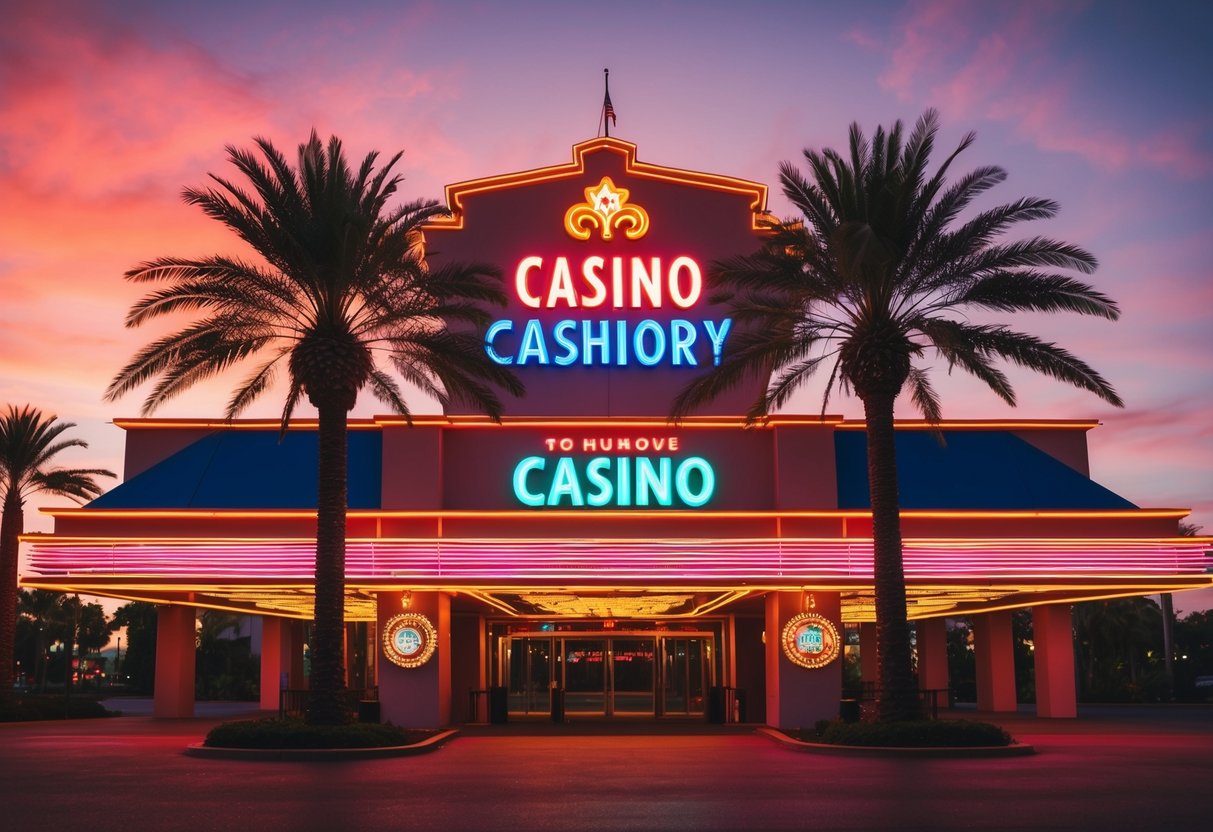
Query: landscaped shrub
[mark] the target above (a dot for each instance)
(30, 708)
(939, 733)
(294, 733)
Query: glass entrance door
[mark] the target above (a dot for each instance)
(686, 668)
(530, 669)
(584, 675)
(632, 676)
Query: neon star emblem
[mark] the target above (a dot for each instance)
(606, 208)
(605, 200)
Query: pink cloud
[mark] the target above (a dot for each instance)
(861, 37)
(1177, 150)
(928, 27)
(972, 60)
(114, 114)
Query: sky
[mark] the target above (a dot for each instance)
(108, 110)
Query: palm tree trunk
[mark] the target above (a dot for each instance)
(326, 705)
(10, 529)
(898, 697)
(1168, 649)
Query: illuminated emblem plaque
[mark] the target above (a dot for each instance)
(606, 209)
(810, 640)
(409, 639)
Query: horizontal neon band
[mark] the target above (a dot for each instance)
(691, 422)
(665, 514)
(791, 559)
(475, 421)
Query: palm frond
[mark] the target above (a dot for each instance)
(388, 392)
(1030, 290)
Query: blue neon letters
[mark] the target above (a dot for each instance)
(604, 342)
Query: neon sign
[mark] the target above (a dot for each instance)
(641, 289)
(605, 342)
(606, 209)
(810, 640)
(409, 640)
(616, 283)
(616, 481)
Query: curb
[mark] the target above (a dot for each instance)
(313, 754)
(1014, 750)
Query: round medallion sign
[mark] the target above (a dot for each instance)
(409, 639)
(811, 640)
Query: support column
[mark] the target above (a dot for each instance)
(468, 665)
(296, 638)
(994, 651)
(418, 697)
(869, 657)
(277, 649)
(796, 696)
(1053, 641)
(932, 639)
(175, 646)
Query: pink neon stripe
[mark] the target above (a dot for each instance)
(670, 559)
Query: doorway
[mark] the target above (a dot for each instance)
(605, 675)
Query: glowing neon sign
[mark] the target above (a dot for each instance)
(616, 283)
(615, 481)
(606, 209)
(603, 342)
(810, 640)
(635, 283)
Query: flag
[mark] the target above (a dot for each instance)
(608, 109)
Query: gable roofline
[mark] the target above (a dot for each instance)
(457, 193)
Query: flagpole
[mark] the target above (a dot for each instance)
(606, 85)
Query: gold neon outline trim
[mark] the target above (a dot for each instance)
(477, 421)
(457, 193)
(464, 421)
(981, 424)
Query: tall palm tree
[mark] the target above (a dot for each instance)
(880, 271)
(341, 276)
(29, 441)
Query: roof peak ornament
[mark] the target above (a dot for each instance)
(606, 208)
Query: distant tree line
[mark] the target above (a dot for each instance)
(52, 626)
(1118, 654)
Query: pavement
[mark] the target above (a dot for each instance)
(1112, 768)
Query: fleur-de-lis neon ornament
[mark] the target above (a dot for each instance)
(606, 208)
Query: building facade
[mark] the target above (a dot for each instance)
(587, 554)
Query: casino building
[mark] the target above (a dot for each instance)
(586, 551)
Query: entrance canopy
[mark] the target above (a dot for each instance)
(1001, 514)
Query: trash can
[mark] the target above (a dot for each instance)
(848, 710)
(557, 704)
(499, 705)
(368, 710)
(739, 706)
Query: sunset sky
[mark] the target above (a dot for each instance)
(107, 110)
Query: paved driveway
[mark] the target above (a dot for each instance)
(1139, 770)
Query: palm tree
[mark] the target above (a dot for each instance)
(29, 442)
(880, 271)
(342, 275)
